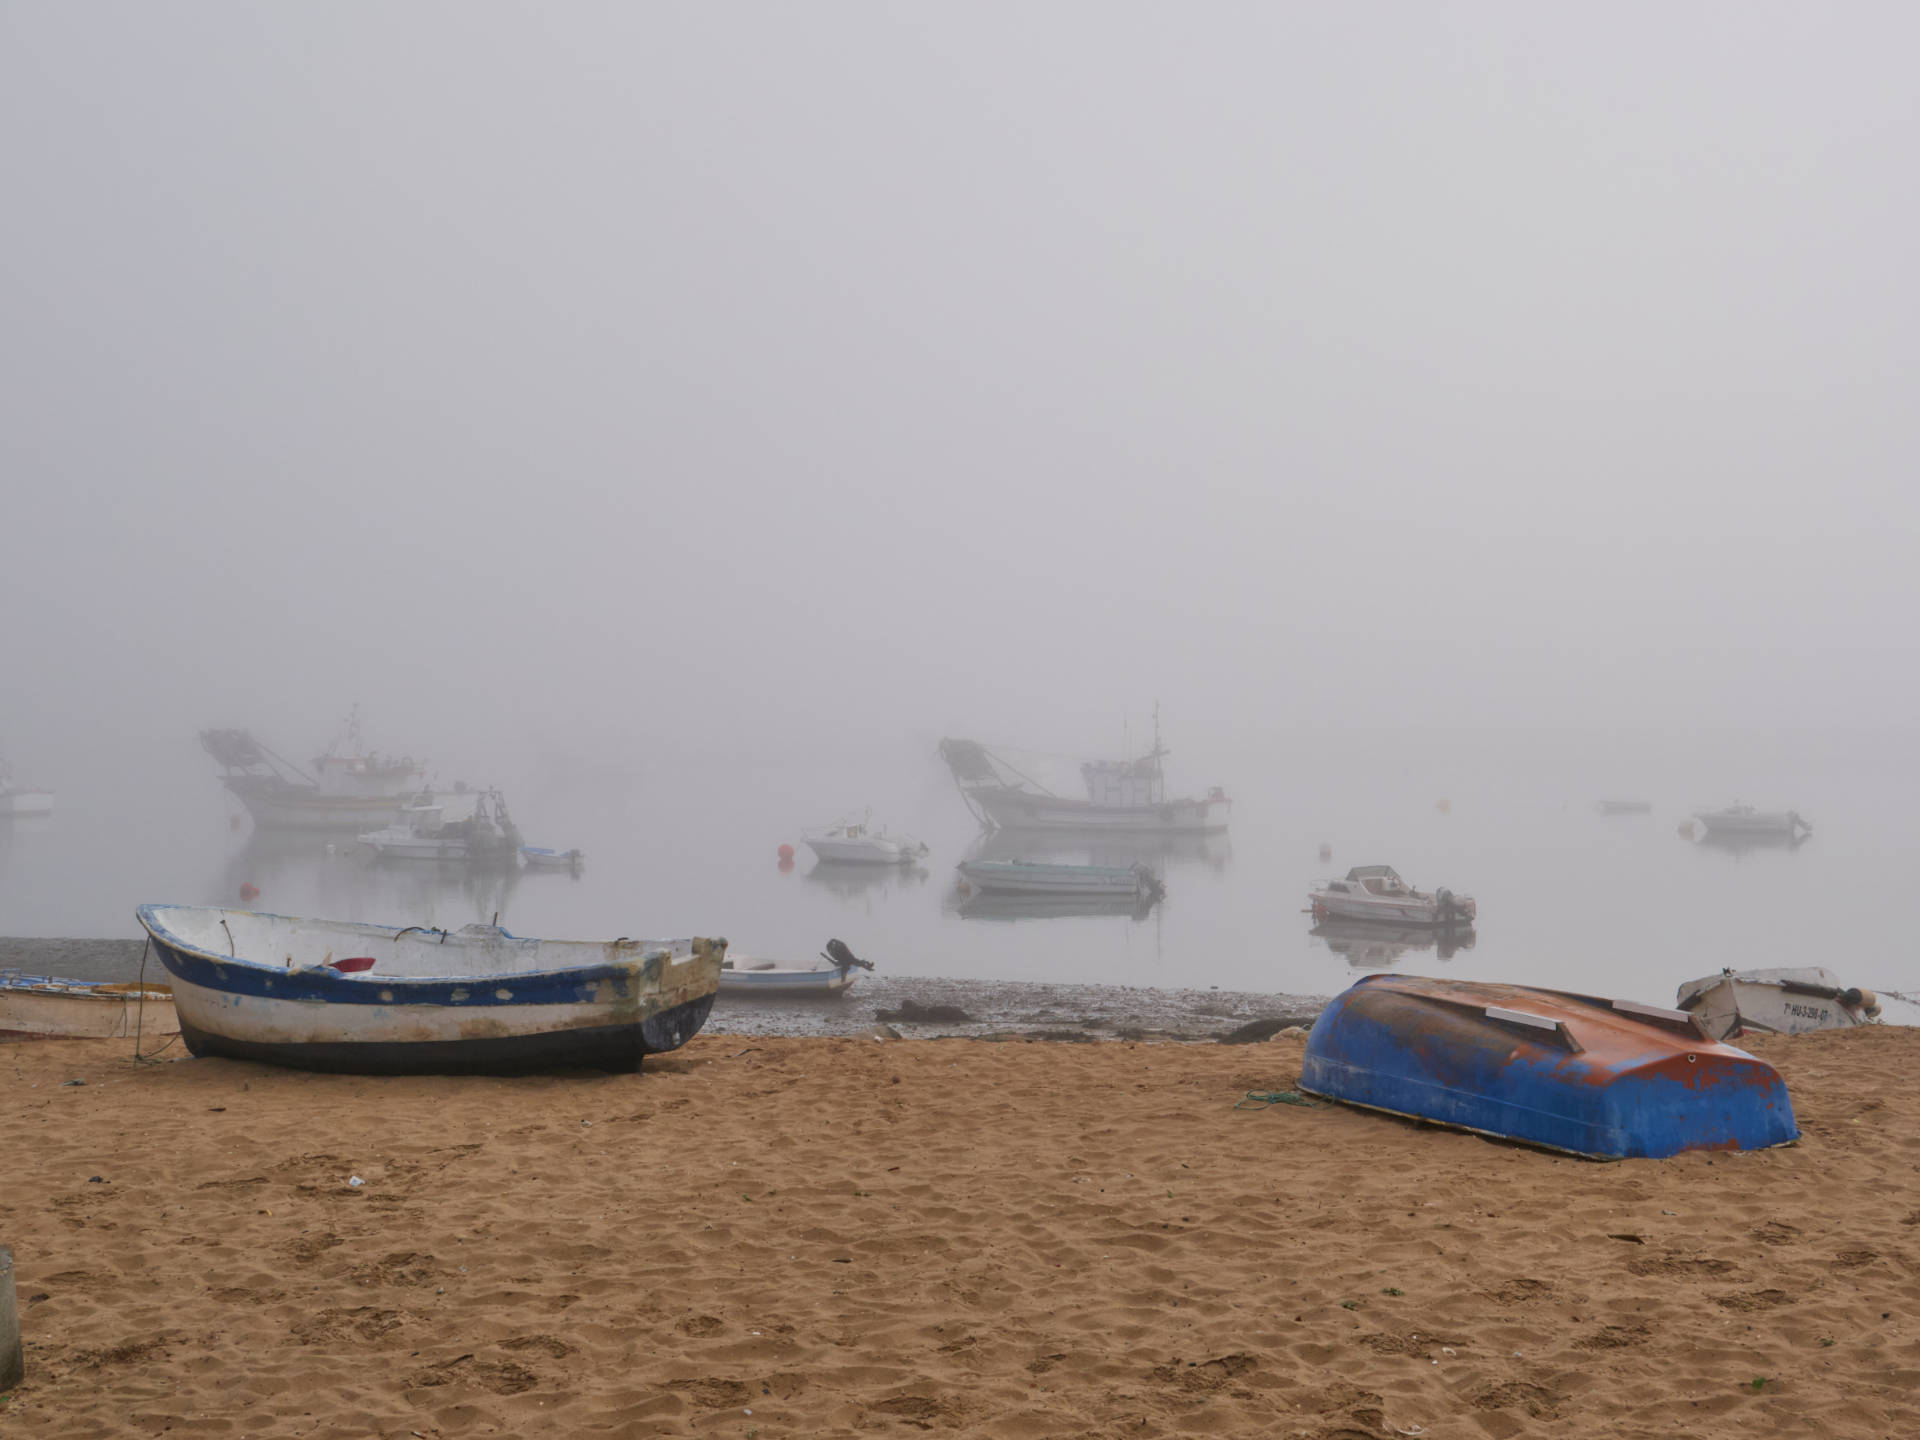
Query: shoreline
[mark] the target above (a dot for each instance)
(1013, 1007)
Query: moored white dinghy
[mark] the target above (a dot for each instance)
(1743, 821)
(83, 1009)
(372, 999)
(832, 976)
(1788, 1001)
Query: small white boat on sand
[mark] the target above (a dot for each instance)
(1786, 1002)
(1744, 821)
(829, 978)
(1028, 877)
(538, 857)
(855, 842)
(83, 1009)
(1376, 892)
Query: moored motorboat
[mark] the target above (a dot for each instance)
(83, 1009)
(855, 842)
(1610, 1079)
(1625, 807)
(373, 999)
(538, 857)
(830, 977)
(1027, 877)
(1744, 821)
(1786, 1001)
(1376, 892)
(468, 826)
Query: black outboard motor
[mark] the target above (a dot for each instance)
(838, 954)
(1444, 909)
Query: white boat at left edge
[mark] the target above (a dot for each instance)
(83, 1009)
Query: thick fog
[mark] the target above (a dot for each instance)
(614, 381)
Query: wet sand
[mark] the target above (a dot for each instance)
(764, 1237)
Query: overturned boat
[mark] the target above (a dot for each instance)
(371, 999)
(1610, 1079)
(1784, 1002)
(1377, 893)
(83, 1009)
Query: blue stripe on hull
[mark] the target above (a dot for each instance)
(617, 1048)
(546, 987)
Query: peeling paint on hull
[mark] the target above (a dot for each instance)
(483, 1009)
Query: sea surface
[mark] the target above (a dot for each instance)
(1623, 905)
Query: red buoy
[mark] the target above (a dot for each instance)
(786, 853)
(249, 892)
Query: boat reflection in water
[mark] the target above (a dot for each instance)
(295, 872)
(1214, 849)
(851, 880)
(1372, 945)
(991, 905)
(1738, 845)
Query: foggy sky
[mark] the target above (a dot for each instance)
(637, 375)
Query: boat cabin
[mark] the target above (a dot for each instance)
(1372, 879)
(1125, 782)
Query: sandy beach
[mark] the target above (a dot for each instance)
(766, 1237)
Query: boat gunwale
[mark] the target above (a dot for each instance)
(560, 985)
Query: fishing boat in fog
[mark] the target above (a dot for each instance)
(348, 788)
(829, 977)
(1625, 807)
(1376, 892)
(1739, 822)
(372, 999)
(83, 1009)
(538, 857)
(1028, 877)
(1120, 794)
(466, 826)
(1787, 1001)
(1604, 1078)
(855, 842)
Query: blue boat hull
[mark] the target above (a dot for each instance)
(1572, 1073)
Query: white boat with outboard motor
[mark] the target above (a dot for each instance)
(856, 842)
(21, 800)
(375, 999)
(1788, 1001)
(831, 977)
(1376, 892)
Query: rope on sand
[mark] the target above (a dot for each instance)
(1267, 1099)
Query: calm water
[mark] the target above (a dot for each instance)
(1567, 897)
